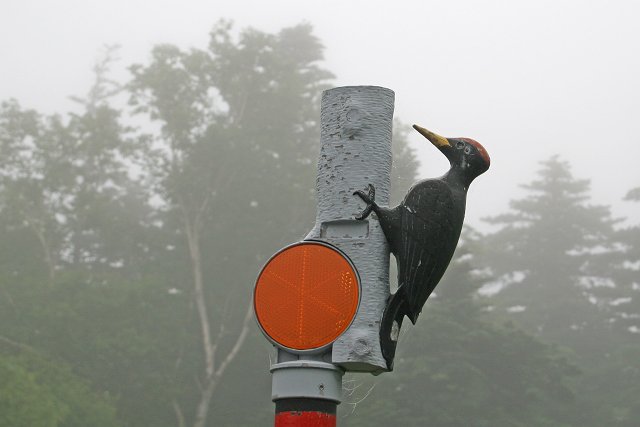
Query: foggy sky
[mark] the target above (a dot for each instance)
(528, 79)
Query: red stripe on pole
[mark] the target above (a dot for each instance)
(305, 419)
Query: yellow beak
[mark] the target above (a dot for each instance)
(437, 140)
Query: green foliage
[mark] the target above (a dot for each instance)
(35, 392)
(23, 402)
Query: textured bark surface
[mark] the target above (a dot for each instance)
(356, 129)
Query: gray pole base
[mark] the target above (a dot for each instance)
(306, 379)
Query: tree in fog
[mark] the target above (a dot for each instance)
(563, 265)
(237, 124)
(457, 367)
(551, 253)
(231, 172)
(106, 209)
(614, 381)
(33, 173)
(625, 299)
(65, 183)
(72, 220)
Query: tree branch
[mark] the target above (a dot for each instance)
(194, 251)
(239, 341)
(17, 344)
(179, 414)
(213, 380)
(40, 234)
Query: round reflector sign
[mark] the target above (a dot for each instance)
(306, 296)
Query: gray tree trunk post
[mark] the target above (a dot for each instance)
(356, 129)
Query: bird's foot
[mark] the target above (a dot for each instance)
(369, 198)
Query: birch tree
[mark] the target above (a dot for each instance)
(229, 118)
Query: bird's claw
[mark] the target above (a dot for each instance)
(363, 196)
(369, 199)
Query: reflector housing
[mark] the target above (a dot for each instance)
(306, 296)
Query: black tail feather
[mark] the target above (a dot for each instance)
(390, 326)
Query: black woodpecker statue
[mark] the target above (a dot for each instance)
(423, 231)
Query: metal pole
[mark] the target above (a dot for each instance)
(306, 393)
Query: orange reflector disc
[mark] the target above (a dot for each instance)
(306, 296)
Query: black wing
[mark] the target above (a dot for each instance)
(431, 224)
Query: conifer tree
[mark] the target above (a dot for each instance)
(551, 254)
(458, 367)
(625, 301)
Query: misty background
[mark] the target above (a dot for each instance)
(147, 152)
(525, 78)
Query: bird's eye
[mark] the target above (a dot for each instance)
(459, 144)
(467, 150)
